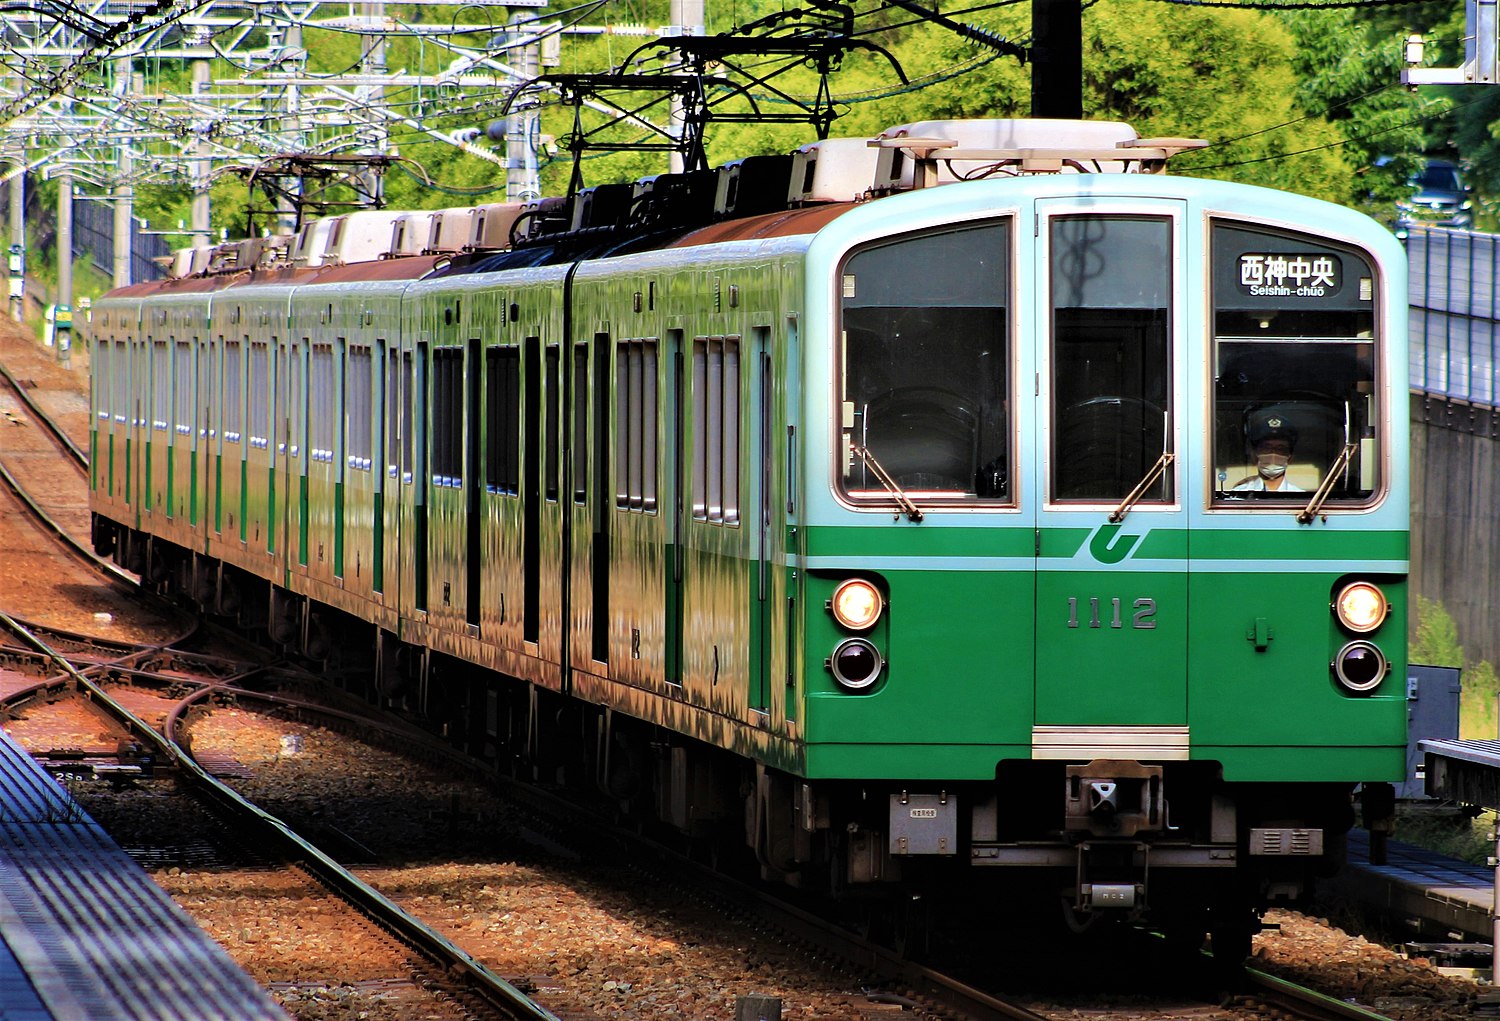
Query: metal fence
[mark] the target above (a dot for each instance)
(94, 236)
(1455, 312)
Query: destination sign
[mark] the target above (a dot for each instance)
(1284, 275)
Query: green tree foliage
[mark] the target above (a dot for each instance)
(1234, 84)
(1348, 63)
(1437, 644)
(1437, 641)
(1477, 709)
(1288, 99)
(1224, 75)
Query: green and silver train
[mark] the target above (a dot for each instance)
(1044, 531)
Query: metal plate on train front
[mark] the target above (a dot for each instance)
(924, 824)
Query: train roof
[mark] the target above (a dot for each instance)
(756, 197)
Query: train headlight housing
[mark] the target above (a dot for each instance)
(856, 604)
(856, 664)
(1361, 607)
(1360, 667)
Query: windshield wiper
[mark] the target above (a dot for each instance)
(1152, 474)
(1320, 495)
(902, 500)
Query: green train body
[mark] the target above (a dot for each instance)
(592, 514)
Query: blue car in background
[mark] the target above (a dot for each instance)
(1439, 198)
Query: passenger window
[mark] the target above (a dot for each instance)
(925, 366)
(1111, 356)
(1296, 366)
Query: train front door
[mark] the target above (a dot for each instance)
(1111, 582)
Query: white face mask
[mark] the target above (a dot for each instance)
(1272, 466)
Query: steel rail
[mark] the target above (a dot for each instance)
(58, 435)
(482, 982)
(1303, 1003)
(112, 572)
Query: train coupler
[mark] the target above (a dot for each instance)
(1114, 798)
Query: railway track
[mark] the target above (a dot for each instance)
(468, 979)
(54, 431)
(888, 977)
(923, 989)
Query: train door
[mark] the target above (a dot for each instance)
(291, 420)
(586, 510)
(762, 485)
(545, 567)
(181, 480)
(677, 506)
(210, 396)
(473, 487)
(385, 475)
(1111, 582)
(135, 432)
(414, 473)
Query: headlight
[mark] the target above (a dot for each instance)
(855, 663)
(856, 604)
(1360, 667)
(1361, 607)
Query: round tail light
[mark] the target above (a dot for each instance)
(856, 664)
(1360, 667)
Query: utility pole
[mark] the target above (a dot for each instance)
(291, 125)
(687, 18)
(124, 191)
(62, 307)
(1057, 59)
(522, 124)
(379, 135)
(18, 239)
(199, 172)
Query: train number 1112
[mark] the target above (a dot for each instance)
(1143, 618)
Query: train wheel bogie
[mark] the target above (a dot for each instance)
(102, 533)
(284, 618)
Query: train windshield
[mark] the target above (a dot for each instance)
(1295, 370)
(925, 367)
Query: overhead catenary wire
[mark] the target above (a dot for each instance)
(1409, 122)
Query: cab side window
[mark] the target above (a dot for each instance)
(924, 366)
(1295, 369)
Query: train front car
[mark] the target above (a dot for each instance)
(1104, 544)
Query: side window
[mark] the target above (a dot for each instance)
(1111, 372)
(635, 429)
(1296, 369)
(924, 366)
(503, 419)
(323, 398)
(100, 394)
(121, 381)
(358, 390)
(260, 396)
(234, 392)
(161, 385)
(182, 388)
(716, 429)
(553, 448)
(447, 416)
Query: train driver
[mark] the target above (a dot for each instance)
(1273, 438)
